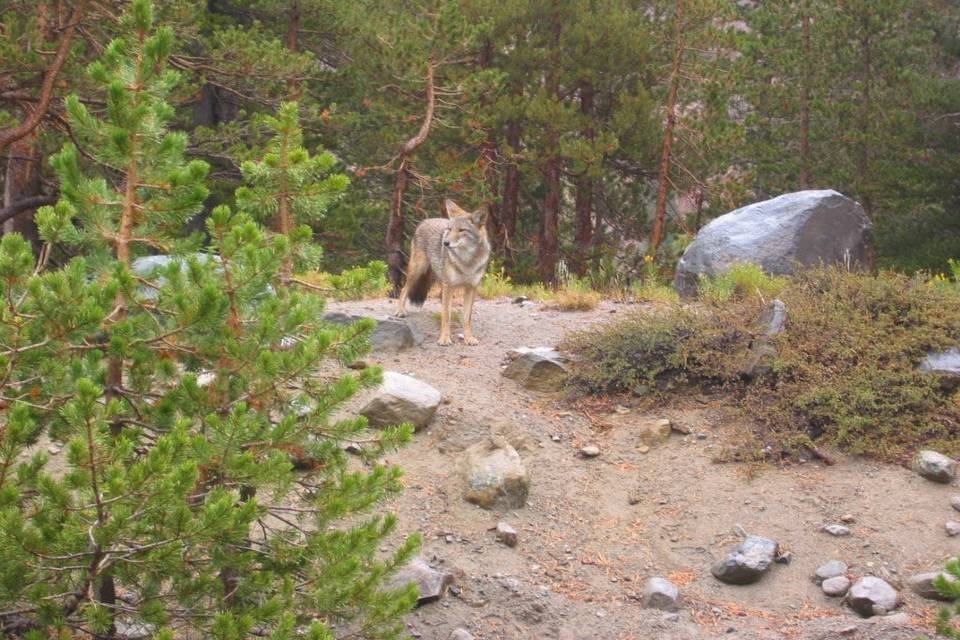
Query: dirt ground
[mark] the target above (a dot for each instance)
(585, 551)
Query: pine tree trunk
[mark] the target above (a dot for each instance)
(547, 263)
(293, 26)
(394, 240)
(489, 153)
(807, 62)
(511, 186)
(583, 222)
(22, 181)
(663, 180)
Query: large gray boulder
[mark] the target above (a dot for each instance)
(945, 365)
(805, 228)
(401, 399)
(539, 368)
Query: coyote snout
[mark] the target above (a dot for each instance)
(455, 251)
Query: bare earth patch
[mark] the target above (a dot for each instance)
(595, 529)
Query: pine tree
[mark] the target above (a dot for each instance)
(184, 395)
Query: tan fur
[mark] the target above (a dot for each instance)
(454, 251)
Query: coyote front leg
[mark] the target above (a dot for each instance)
(468, 295)
(447, 296)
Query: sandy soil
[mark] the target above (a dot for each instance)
(594, 530)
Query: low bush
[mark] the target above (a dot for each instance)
(577, 295)
(845, 370)
(358, 283)
(741, 281)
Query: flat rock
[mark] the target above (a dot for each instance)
(538, 369)
(747, 562)
(506, 534)
(431, 583)
(390, 336)
(871, 596)
(494, 475)
(805, 229)
(945, 365)
(399, 399)
(922, 585)
(935, 466)
(836, 587)
(660, 593)
(829, 570)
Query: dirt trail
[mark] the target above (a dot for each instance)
(585, 550)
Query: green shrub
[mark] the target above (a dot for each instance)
(577, 295)
(358, 283)
(845, 370)
(741, 281)
(495, 284)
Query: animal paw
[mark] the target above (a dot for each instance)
(471, 341)
(400, 314)
(444, 341)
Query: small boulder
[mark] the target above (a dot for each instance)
(653, 432)
(945, 365)
(936, 466)
(461, 634)
(391, 335)
(836, 587)
(829, 570)
(747, 562)
(506, 534)
(494, 475)
(871, 596)
(660, 593)
(538, 369)
(401, 399)
(431, 583)
(955, 503)
(922, 585)
(953, 528)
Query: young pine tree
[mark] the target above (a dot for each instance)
(182, 393)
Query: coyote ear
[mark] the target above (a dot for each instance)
(453, 210)
(479, 217)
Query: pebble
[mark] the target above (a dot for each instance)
(847, 519)
(836, 586)
(590, 451)
(952, 527)
(660, 593)
(643, 449)
(836, 529)
(506, 534)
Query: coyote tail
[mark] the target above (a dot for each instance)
(420, 287)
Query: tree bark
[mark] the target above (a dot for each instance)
(663, 180)
(21, 188)
(10, 135)
(293, 26)
(583, 222)
(394, 238)
(547, 263)
(511, 186)
(805, 179)
(489, 154)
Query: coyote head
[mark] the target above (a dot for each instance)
(466, 229)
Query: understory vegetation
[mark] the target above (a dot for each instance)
(842, 373)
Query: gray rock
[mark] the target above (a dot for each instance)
(945, 365)
(390, 336)
(506, 534)
(759, 359)
(871, 596)
(401, 399)
(955, 502)
(806, 228)
(922, 585)
(461, 634)
(660, 593)
(936, 466)
(829, 570)
(590, 451)
(135, 630)
(538, 369)
(836, 529)
(836, 587)
(146, 266)
(952, 527)
(431, 583)
(494, 475)
(747, 562)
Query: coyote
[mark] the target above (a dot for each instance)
(455, 251)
